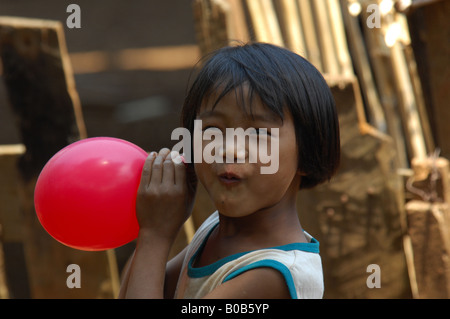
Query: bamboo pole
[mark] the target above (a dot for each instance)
(311, 35)
(239, 28)
(272, 22)
(364, 72)
(408, 106)
(338, 30)
(258, 21)
(379, 56)
(114, 271)
(404, 87)
(189, 229)
(328, 50)
(418, 95)
(290, 19)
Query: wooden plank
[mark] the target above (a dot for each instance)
(12, 224)
(10, 214)
(42, 94)
(4, 290)
(428, 226)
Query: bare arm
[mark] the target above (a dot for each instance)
(163, 205)
(173, 269)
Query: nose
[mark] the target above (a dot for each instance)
(232, 152)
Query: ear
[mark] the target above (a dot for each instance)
(301, 173)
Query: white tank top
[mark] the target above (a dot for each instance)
(299, 263)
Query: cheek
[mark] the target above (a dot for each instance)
(288, 156)
(202, 172)
(288, 162)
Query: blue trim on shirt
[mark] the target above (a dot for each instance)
(271, 264)
(312, 247)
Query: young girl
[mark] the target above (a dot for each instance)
(253, 245)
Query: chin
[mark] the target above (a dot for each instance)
(233, 210)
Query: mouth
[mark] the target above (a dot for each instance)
(229, 178)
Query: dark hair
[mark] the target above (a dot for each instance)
(282, 79)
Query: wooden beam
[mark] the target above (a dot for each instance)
(415, 137)
(4, 291)
(12, 223)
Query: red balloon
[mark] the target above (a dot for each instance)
(85, 195)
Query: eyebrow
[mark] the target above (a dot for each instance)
(257, 117)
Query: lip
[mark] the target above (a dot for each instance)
(230, 178)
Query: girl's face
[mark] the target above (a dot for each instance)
(239, 189)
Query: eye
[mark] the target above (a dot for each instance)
(210, 127)
(262, 131)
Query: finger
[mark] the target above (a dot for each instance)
(169, 171)
(147, 171)
(157, 168)
(180, 171)
(191, 179)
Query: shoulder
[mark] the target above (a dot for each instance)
(275, 273)
(272, 273)
(249, 285)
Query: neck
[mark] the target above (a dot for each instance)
(276, 225)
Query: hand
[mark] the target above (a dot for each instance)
(165, 195)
